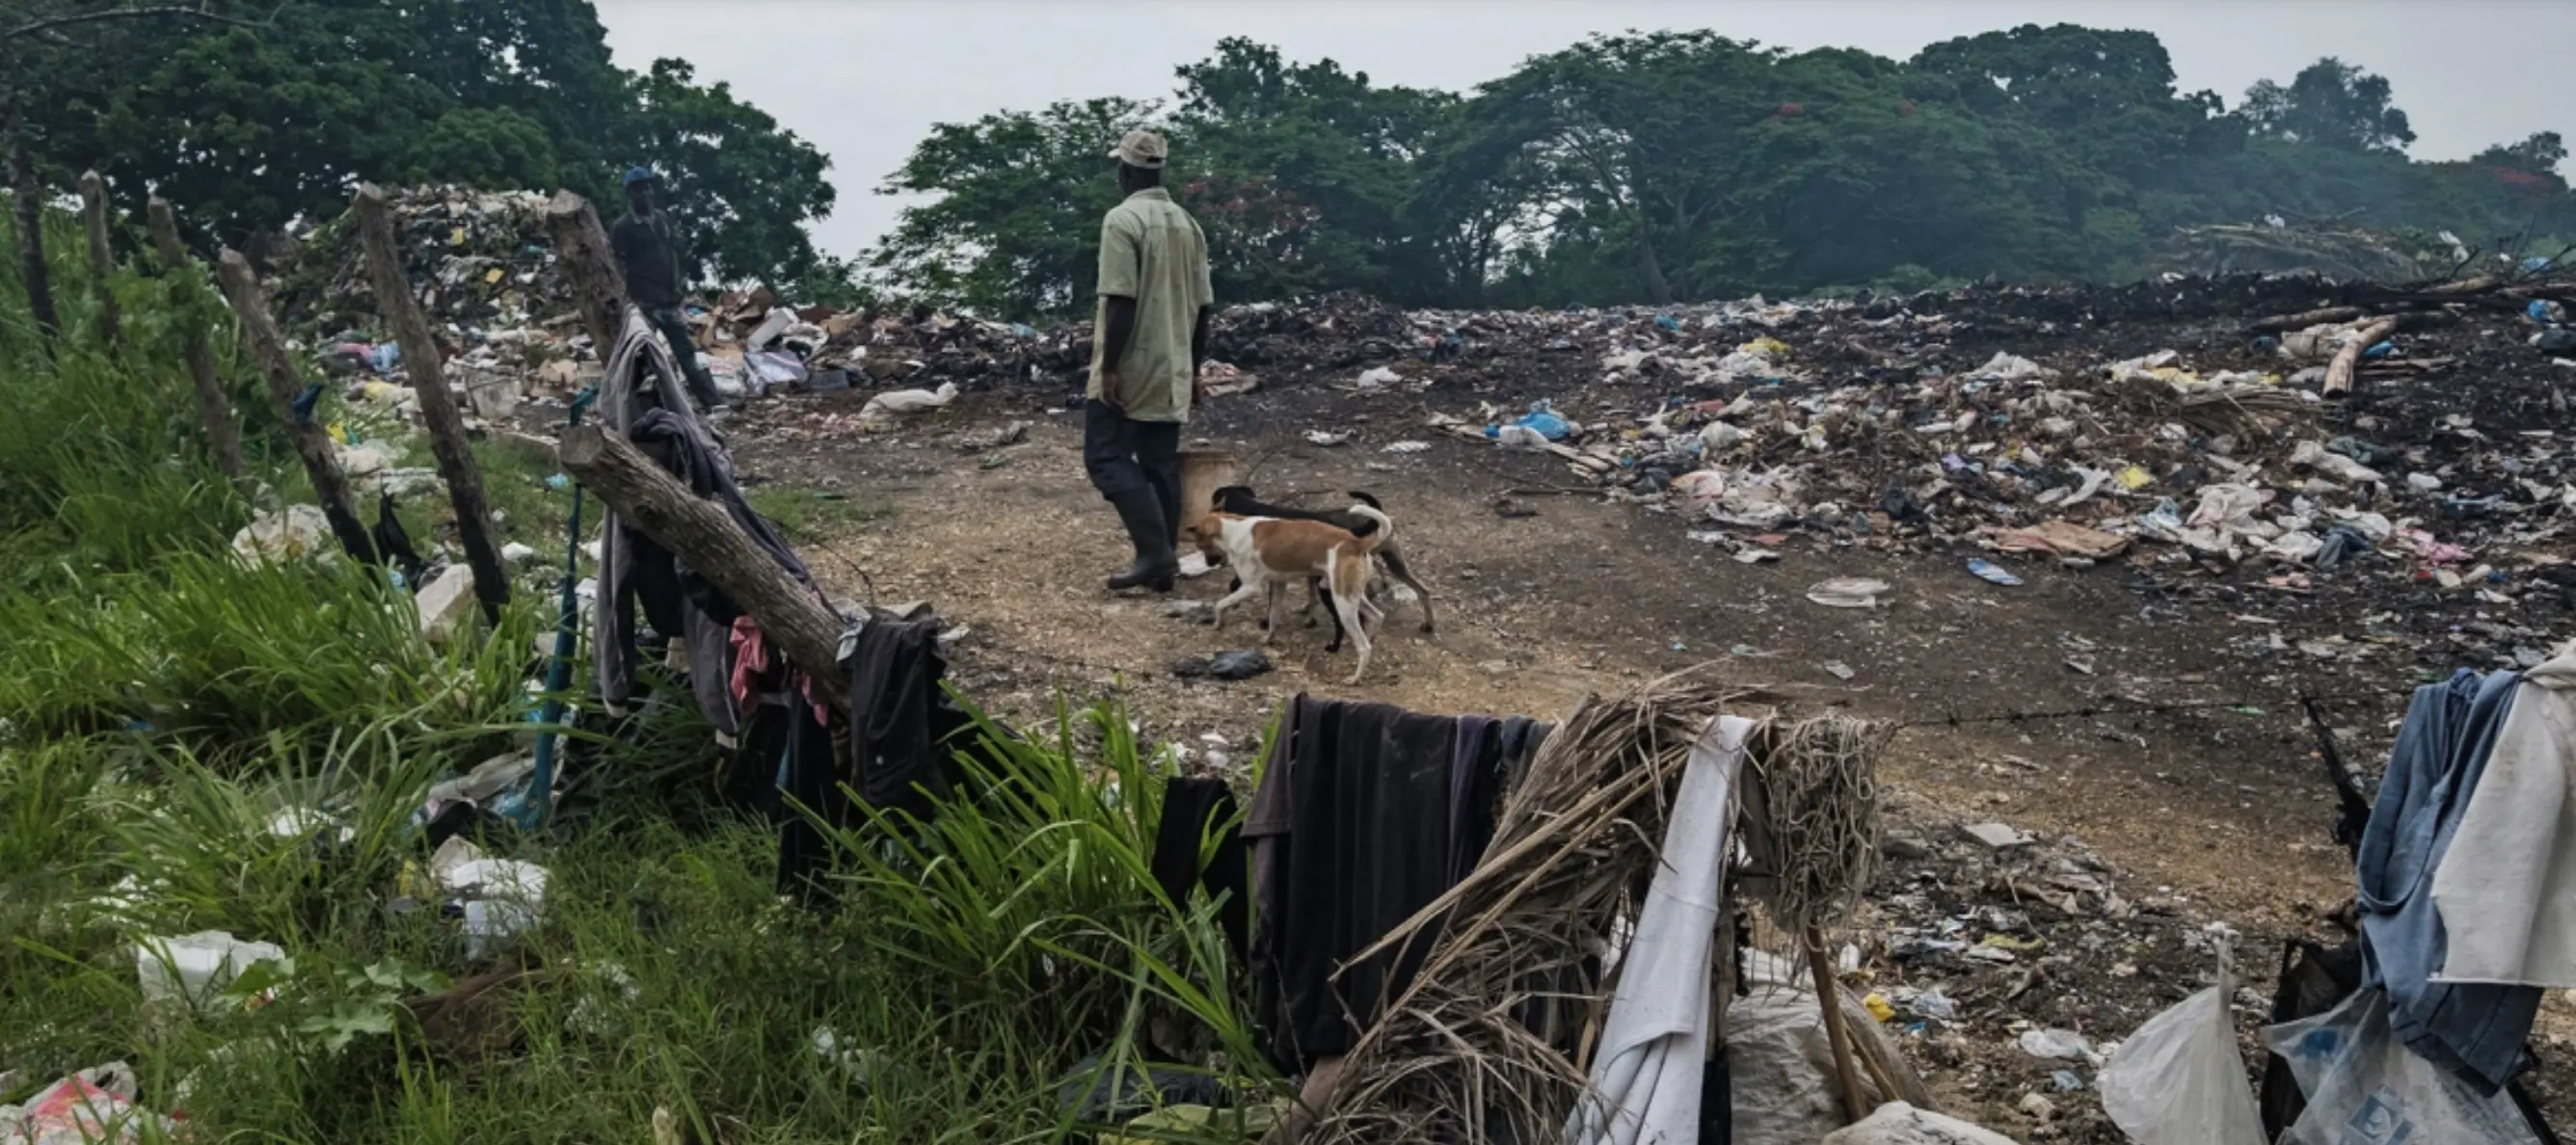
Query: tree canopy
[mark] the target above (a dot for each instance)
(256, 123)
(1669, 166)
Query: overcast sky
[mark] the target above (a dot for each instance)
(865, 79)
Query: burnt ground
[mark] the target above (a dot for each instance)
(2151, 826)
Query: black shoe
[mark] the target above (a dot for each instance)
(1156, 567)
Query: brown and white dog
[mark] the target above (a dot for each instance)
(1270, 554)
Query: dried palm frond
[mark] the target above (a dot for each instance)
(1487, 1044)
(1810, 818)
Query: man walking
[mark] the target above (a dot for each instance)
(651, 257)
(1147, 344)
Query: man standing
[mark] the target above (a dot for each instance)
(1147, 343)
(652, 260)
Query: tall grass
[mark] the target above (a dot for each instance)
(161, 703)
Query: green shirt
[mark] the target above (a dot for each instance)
(1152, 251)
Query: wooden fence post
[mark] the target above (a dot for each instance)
(582, 245)
(421, 360)
(102, 260)
(223, 433)
(312, 442)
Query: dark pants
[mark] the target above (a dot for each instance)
(684, 350)
(1123, 454)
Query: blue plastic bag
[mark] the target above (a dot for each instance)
(1543, 418)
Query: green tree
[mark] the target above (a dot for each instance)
(1012, 225)
(1302, 174)
(1649, 139)
(2330, 104)
(250, 127)
(2539, 154)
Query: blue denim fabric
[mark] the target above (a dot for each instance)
(2476, 1031)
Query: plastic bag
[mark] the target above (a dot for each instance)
(194, 968)
(1544, 419)
(2179, 1081)
(894, 402)
(1897, 1123)
(2365, 1089)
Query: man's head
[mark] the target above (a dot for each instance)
(640, 182)
(1140, 156)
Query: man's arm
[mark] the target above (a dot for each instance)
(1117, 332)
(621, 242)
(1199, 339)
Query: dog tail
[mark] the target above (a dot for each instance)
(1364, 497)
(1370, 540)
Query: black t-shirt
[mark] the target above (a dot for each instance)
(652, 260)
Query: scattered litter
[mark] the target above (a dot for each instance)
(1326, 437)
(445, 602)
(1406, 446)
(2054, 1044)
(1993, 573)
(1849, 592)
(92, 1107)
(499, 897)
(298, 533)
(1194, 564)
(896, 403)
(192, 969)
(1997, 835)
(1840, 670)
(1242, 664)
(1378, 377)
(1897, 1123)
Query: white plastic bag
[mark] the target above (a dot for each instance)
(1897, 1123)
(2365, 1089)
(194, 968)
(893, 402)
(2179, 1080)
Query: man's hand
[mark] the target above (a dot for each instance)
(1109, 384)
(1198, 384)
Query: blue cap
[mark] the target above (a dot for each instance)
(636, 175)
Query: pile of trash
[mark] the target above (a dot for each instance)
(504, 311)
(483, 269)
(2040, 424)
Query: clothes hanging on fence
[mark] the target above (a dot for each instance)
(900, 717)
(2473, 1030)
(807, 777)
(1356, 826)
(1475, 774)
(1191, 807)
(2506, 890)
(636, 572)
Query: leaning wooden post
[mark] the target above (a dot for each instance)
(312, 442)
(102, 260)
(1829, 1005)
(223, 433)
(701, 533)
(582, 245)
(437, 403)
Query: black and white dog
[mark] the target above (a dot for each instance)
(1240, 501)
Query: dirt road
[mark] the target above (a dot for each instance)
(2215, 813)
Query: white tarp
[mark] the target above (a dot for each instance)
(1646, 1081)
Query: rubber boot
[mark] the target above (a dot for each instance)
(1142, 512)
